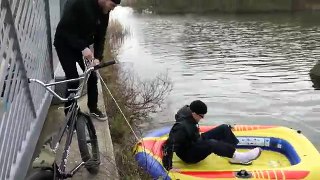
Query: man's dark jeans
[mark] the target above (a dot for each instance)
(68, 58)
(220, 141)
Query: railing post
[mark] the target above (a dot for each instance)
(48, 22)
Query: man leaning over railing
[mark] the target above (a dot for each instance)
(84, 22)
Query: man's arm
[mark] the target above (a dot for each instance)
(100, 36)
(70, 14)
(177, 136)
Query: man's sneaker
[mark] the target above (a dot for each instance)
(96, 113)
(246, 158)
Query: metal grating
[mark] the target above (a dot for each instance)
(25, 51)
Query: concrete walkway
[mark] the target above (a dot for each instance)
(55, 117)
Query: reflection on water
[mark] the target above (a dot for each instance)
(250, 69)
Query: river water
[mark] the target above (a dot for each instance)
(249, 69)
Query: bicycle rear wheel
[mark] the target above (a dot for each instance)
(41, 174)
(88, 143)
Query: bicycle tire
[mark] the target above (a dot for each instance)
(84, 122)
(41, 174)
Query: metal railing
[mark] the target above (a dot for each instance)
(25, 51)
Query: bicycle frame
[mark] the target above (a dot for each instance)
(79, 90)
(84, 76)
(71, 118)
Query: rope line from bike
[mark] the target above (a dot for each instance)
(124, 116)
(115, 101)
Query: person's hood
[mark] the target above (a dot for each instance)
(185, 114)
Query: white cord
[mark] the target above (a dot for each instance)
(138, 139)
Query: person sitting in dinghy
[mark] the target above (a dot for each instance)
(192, 147)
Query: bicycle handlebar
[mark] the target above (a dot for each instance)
(104, 64)
(84, 75)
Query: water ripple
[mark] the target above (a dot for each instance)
(247, 68)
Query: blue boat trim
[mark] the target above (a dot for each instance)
(159, 132)
(277, 145)
(152, 166)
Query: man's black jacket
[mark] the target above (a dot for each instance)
(182, 135)
(82, 23)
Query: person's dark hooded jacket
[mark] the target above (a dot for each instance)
(183, 134)
(82, 23)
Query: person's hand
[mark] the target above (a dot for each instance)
(167, 162)
(95, 62)
(177, 170)
(167, 154)
(87, 53)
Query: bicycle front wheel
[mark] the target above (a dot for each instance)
(88, 143)
(41, 174)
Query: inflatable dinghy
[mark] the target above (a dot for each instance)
(287, 154)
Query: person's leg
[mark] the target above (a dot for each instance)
(92, 90)
(93, 98)
(81, 63)
(203, 148)
(245, 157)
(68, 59)
(221, 133)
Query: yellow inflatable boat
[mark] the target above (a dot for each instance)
(287, 154)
